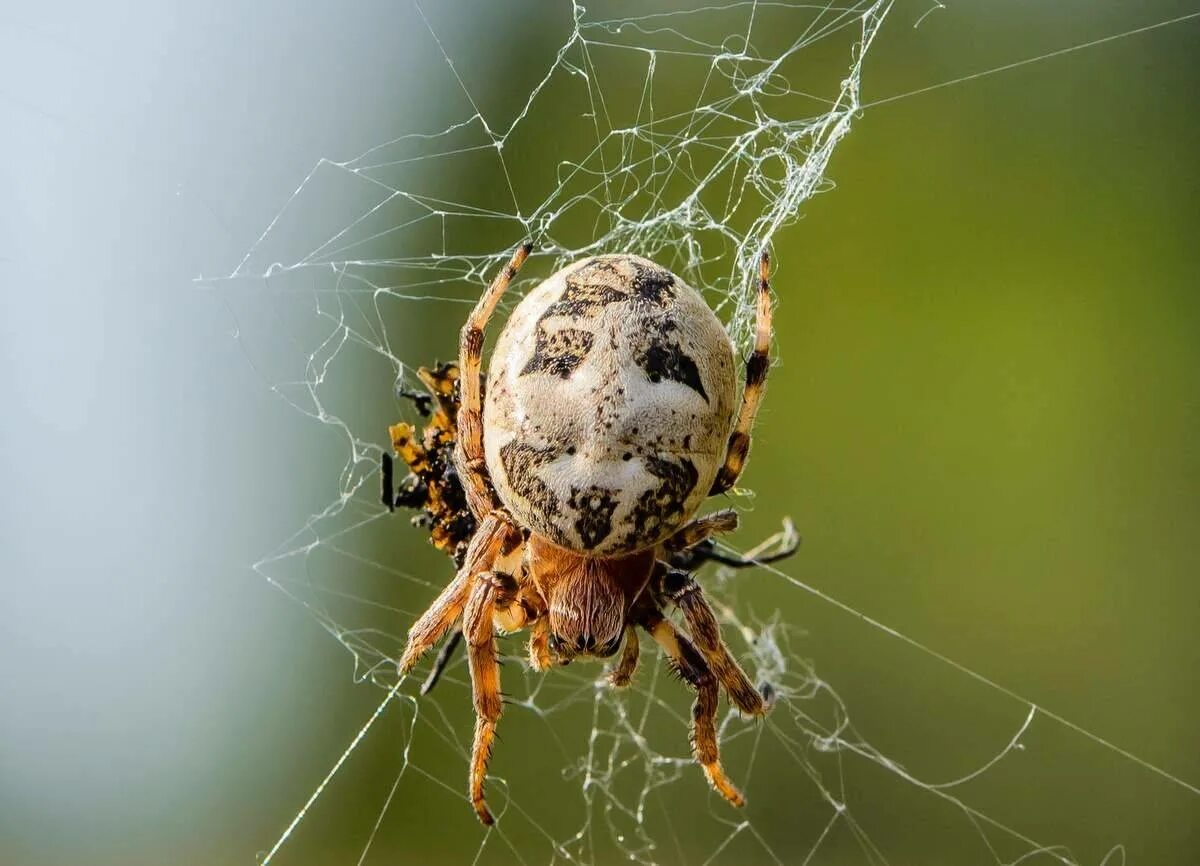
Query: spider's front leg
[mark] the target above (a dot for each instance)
(493, 591)
(687, 661)
(757, 365)
(681, 589)
(693, 545)
(539, 645)
(496, 535)
(476, 482)
(620, 676)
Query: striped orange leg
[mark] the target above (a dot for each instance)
(756, 385)
(682, 589)
(494, 536)
(490, 592)
(470, 411)
(690, 665)
(621, 675)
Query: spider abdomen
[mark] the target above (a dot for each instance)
(609, 404)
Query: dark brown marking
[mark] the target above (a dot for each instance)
(558, 352)
(504, 587)
(589, 290)
(595, 507)
(739, 445)
(472, 341)
(665, 360)
(756, 370)
(653, 284)
(521, 463)
(662, 505)
(735, 459)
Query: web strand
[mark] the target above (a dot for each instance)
(1028, 61)
(978, 677)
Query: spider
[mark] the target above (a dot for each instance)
(567, 493)
(433, 486)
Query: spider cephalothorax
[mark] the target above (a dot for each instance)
(610, 415)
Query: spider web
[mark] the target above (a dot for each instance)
(691, 137)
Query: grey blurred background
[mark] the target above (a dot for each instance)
(984, 425)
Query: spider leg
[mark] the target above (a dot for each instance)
(702, 529)
(494, 536)
(443, 659)
(756, 383)
(683, 590)
(709, 551)
(539, 645)
(480, 495)
(692, 545)
(387, 482)
(490, 591)
(686, 660)
(691, 558)
(620, 675)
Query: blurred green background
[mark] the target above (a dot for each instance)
(983, 423)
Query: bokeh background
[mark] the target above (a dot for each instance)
(984, 425)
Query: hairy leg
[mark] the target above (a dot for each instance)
(493, 537)
(681, 589)
(690, 665)
(510, 619)
(756, 384)
(443, 659)
(702, 529)
(485, 678)
(470, 412)
(627, 664)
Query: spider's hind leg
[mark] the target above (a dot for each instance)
(477, 484)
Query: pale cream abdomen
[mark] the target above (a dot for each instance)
(609, 403)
